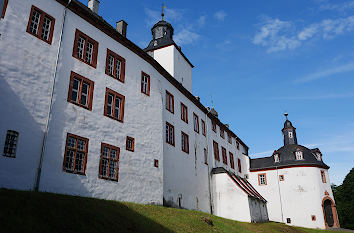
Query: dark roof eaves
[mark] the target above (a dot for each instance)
(97, 21)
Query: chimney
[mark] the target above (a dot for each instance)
(94, 5)
(122, 27)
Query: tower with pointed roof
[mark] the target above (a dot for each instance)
(165, 51)
(289, 132)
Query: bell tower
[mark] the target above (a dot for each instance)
(166, 52)
(289, 132)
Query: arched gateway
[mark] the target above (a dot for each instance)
(330, 212)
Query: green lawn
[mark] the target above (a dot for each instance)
(24, 211)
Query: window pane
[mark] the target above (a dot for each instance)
(105, 152)
(84, 93)
(104, 167)
(117, 108)
(118, 69)
(79, 161)
(89, 50)
(35, 22)
(69, 159)
(113, 154)
(109, 104)
(71, 142)
(112, 169)
(46, 27)
(110, 64)
(80, 47)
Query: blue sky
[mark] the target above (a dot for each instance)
(257, 59)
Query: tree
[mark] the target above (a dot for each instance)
(344, 197)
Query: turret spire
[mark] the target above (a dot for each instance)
(162, 13)
(289, 132)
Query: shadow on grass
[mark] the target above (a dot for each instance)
(53, 213)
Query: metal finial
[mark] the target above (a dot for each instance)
(162, 14)
(212, 101)
(286, 115)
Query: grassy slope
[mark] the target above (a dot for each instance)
(22, 211)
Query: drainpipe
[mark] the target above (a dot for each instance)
(209, 170)
(39, 169)
(281, 203)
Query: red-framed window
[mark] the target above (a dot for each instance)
(323, 176)
(75, 156)
(170, 105)
(281, 177)
(262, 179)
(40, 24)
(80, 91)
(224, 156)
(239, 165)
(170, 134)
(109, 162)
(185, 142)
(114, 105)
(115, 66)
(232, 163)
(203, 127)
(184, 113)
(222, 133)
(237, 145)
(3, 9)
(213, 126)
(145, 83)
(229, 138)
(196, 122)
(11, 144)
(216, 151)
(85, 48)
(130, 144)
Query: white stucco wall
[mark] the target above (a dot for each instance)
(139, 181)
(230, 201)
(300, 196)
(26, 76)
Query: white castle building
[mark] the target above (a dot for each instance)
(87, 112)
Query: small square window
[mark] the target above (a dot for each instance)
(281, 177)
(41, 25)
(115, 66)
(313, 217)
(288, 220)
(262, 179)
(156, 163)
(130, 144)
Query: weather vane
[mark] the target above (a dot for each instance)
(163, 7)
(286, 114)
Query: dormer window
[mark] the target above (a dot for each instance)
(290, 134)
(276, 158)
(299, 155)
(318, 156)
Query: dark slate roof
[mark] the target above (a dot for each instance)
(287, 158)
(240, 182)
(162, 23)
(288, 124)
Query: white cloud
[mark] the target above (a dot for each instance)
(186, 36)
(339, 7)
(170, 15)
(220, 15)
(201, 20)
(278, 35)
(325, 73)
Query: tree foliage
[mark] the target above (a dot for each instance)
(344, 197)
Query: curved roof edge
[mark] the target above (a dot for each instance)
(288, 166)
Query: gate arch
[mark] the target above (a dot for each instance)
(330, 213)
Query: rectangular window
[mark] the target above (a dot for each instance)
(229, 138)
(203, 128)
(129, 144)
(262, 179)
(109, 162)
(196, 122)
(41, 25)
(170, 134)
(323, 177)
(216, 150)
(276, 158)
(237, 145)
(114, 105)
(169, 102)
(156, 163)
(213, 125)
(224, 156)
(313, 217)
(184, 113)
(115, 65)
(145, 83)
(222, 133)
(205, 156)
(281, 177)
(298, 155)
(85, 49)
(75, 156)
(3, 5)
(185, 142)
(80, 91)
(10, 144)
(232, 163)
(239, 165)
